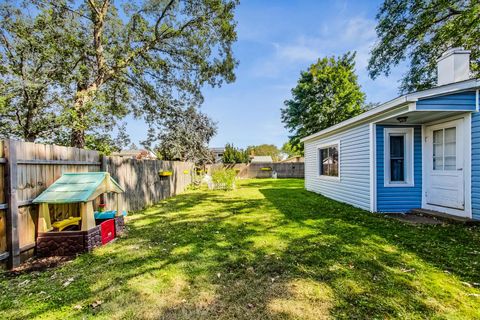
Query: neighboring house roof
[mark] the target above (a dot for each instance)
(397, 102)
(294, 159)
(136, 153)
(217, 150)
(262, 159)
(79, 187)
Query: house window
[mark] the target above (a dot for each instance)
(444, 149)
(328, 161)
(398, 158)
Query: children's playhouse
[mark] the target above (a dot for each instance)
(73, 216)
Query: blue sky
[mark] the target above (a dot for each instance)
(276, 40)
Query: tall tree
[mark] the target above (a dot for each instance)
(326, 94)
(159, 55)
(264, 150)
(184, 136)
(31, 72)
(420, 31)
(143, 57)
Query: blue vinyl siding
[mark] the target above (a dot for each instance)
(476, 165)
(464, 101)
(399, 199)
(354, 185)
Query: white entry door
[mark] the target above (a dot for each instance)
(444, 176)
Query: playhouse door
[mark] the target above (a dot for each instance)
(444, 165)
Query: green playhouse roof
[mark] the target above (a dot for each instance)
(78, 187)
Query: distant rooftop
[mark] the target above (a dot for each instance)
(217, 149)
(136, 153)
(262, 159)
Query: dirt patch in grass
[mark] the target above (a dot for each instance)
(413, 219)
(38, 264)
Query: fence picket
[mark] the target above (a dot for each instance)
(27, 169)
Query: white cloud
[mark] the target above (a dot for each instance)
(355, 34)
(297, 52)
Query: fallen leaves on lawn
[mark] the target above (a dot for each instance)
(68, 282)
(24, 283)
(96, 304)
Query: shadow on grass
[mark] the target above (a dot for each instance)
(268, 250)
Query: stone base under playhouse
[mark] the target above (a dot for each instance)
(68, 243)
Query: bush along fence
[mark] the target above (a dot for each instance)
(26, 169)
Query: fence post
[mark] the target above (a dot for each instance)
(12, 211)
(103, 164)
(103, 168)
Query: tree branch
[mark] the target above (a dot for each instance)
(92, 5)
(451, 12)
(164, 12)
(98, 25)
(55, 4)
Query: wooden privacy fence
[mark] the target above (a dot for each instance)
(260, 170)
(143, 186)
(26, 169)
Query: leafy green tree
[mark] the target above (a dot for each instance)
(184, 136)
(264, 150)
(101, 140)
(31, 72)
(242, 156)
(420, 31)
(326, 94)
(147, 57)
(290, 150)
(229, 155)
(234, 155)
(159, 54)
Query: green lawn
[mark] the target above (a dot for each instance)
(269, 249)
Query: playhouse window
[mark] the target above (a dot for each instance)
(398, 157)
(328, 161)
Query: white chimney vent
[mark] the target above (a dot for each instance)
(453, 66)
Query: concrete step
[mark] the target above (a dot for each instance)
(442, 216)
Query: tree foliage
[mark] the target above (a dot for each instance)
(264, 150)
(184, 136)
(149, 58)
(420, 31)
(234, 155)
(291, 151)
(31, 73)
(326, 94)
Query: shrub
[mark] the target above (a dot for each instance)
(224, 179)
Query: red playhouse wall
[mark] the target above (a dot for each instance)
(108, 230)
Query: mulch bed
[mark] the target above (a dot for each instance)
(39, 264)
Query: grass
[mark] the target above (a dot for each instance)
(268, 250)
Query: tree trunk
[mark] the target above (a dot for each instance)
(83, 96)
(77, 138)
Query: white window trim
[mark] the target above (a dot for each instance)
(323, 146)
(409, 157)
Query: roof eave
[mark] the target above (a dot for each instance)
(398, 102)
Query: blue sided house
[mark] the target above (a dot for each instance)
(418, 151)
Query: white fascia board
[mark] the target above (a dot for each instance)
(397, 102)
(370, 113)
